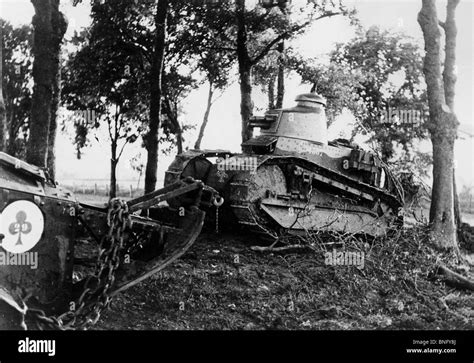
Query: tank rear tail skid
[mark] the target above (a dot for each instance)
(62, 258)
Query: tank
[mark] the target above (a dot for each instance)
(291, 180)
(61, 260)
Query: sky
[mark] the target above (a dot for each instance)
(223, 130)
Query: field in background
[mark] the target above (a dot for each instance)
(468, 218)
(96, 191)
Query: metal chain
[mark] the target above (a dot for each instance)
(94, 299)
(217, 203)
(217, 219)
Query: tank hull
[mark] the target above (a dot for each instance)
(62, 259)
(323, 188)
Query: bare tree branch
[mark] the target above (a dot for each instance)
(228, 49)
(279, 249)
(287, 34)
(454, 279)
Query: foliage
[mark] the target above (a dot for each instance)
(250, 34)
(374, 73)
(266, 71)
(385, 59)
(465, 198)
(17, 84)
(115, 60)
(332, 81)
(188, 32)
(99, 77)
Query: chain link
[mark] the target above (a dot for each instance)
(94, 299)
(217, 203)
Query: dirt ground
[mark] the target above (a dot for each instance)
(220, 283)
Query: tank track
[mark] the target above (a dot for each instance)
(308, 186)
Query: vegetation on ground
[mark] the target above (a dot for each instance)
(220, 283)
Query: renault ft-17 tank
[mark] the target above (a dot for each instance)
(291, 179)
(62, 260)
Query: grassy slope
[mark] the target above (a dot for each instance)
(394, 290)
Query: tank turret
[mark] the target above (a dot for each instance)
(291, 129)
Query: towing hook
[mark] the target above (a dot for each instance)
(218, 201)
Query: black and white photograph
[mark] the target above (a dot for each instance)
(266, 168)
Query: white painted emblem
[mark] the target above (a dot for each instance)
(22, 224)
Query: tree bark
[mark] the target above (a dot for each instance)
(246, 104)
(449, 80)
(178, 128)
(454, 279)
(3, 111)
(59, 29)
(43, 76)
(12, 132)
(457, 209)
(205, 119)
(155, 96)
(442, 126)
(281, 76)
(113, 169)
(245, 68)
(51, 153)
(449, 75)
(179, 139)
(271, 92)
(171, 111)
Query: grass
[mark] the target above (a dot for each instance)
(220, 283)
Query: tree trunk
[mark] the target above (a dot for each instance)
(3, 112)
(443, 125)
(43, 76)
(179, 139)
(457, 209)
(197, 144)
(155, 96)
(177, 127)
(449, 80)
(281, 76)
(245, 67)
(51, 156)
(59, 29)
(113, 169)
(246, 104)
(271, 92)
(449, 75)
(442, 204)
(12, 133)
(171, 113)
